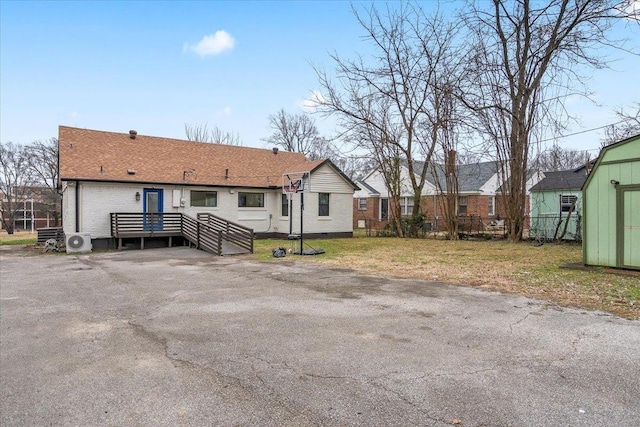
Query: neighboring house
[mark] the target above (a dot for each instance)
(477, 190)
(106, 172)
(368, 212)
(611, 207)
(556, 205)
(479, 196)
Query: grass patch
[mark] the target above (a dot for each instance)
(517, 268)
(18, 238)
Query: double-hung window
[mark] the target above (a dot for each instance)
(285, 205)
(407, 205)
(492, 205)
(384, 209)
(323, 204)
(362, 204)
(462, 205)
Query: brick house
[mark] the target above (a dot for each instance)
(479, 202)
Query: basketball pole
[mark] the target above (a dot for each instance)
(290, 201)
(301, 221)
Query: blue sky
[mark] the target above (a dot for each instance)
(154, 66)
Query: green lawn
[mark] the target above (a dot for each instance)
(18, 238)
(518, 268)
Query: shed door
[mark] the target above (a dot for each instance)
(631, 228)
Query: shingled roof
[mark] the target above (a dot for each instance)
(562, 180)
(92, 155)
(471, 177)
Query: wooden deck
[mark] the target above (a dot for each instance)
(213, 235)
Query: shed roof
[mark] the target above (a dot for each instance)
(562, 180)
(109, 156)
(632, 139)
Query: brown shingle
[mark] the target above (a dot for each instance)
(108, 156)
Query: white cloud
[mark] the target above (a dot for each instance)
(633, 10)
(312, 102)
(212, 44)
(226, 111)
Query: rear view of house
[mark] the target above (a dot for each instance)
(105, 173)
(611, 200)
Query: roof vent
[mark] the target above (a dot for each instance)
(132, 134)
(131, 171)
(275, 150)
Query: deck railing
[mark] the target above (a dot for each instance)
(128, 224)
(206, 233)
(202, 235)
(232, 232)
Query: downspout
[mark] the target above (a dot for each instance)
(77, 197)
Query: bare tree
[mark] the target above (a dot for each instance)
(524, 60)
(201, 133)
(43, 162)
(297, 133)
(557, 158)
(628, 126)
(355, 167)
(387, 105)
(16, 178)
(450, 191)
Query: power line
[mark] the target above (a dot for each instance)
(585, 131)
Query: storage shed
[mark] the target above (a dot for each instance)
(611, 207)
(556, 205)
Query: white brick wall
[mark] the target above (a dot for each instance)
(98, 200)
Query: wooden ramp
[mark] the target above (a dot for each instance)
(229, 248)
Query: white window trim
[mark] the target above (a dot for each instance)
(360, 208)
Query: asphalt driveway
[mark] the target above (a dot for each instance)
(177, 337)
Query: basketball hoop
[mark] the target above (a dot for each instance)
(295, 182)
(293, 187)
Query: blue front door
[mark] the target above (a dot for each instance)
(153, 201)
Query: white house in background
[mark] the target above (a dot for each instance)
(106, 172)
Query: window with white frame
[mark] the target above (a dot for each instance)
(323, 204)
(362, 204)
(462, 205)
(384, 209)
(407, 205)
(492, 205)
(568, 203)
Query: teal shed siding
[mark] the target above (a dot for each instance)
(611, 236)
(545, 215)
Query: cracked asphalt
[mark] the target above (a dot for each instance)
(176, 337)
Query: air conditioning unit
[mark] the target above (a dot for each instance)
(79, 242)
